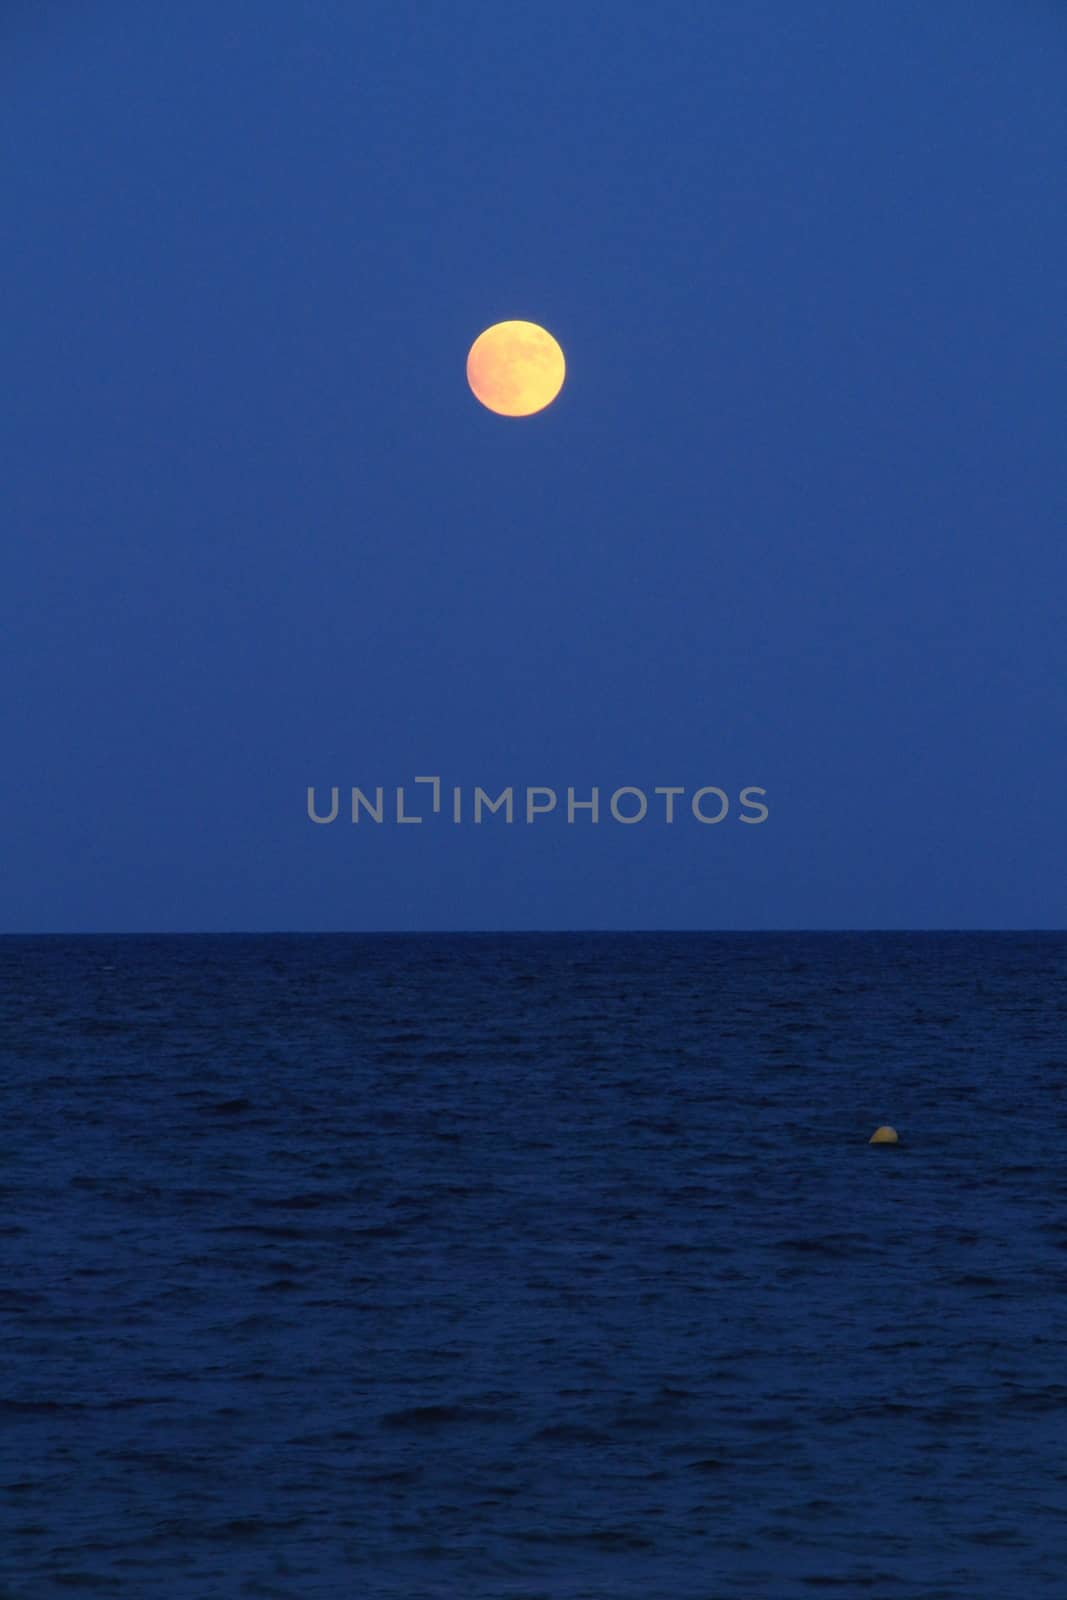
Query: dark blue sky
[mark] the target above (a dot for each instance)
(797, 519)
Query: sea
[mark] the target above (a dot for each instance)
(534, 1266)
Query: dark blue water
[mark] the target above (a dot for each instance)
(534, 1266)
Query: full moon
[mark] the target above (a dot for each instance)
(515, 368)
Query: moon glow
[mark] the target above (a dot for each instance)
(515, 368)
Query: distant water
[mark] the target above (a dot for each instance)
(533, 1267)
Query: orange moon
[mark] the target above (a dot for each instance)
(515, 368)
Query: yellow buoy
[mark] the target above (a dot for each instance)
(884, 1135)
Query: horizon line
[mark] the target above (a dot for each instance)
(477, 933)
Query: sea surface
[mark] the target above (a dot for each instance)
(533, 1267)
